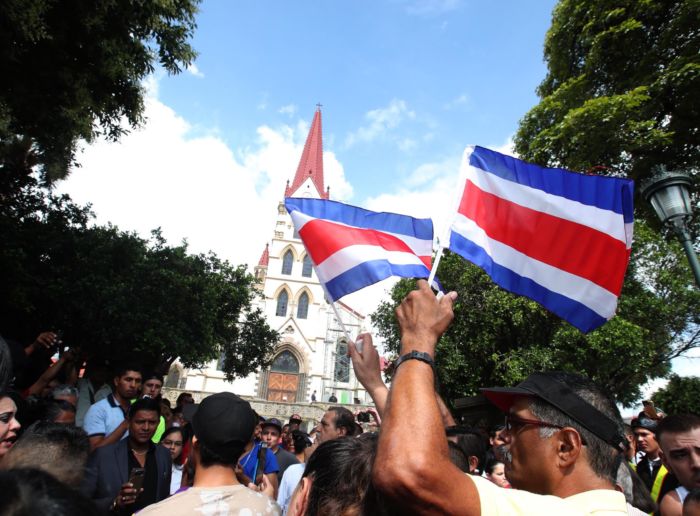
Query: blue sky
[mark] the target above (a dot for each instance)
(402, 83)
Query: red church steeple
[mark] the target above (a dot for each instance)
(310, 164)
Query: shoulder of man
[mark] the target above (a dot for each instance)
(205, 499)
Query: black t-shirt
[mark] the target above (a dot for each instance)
(150, 481)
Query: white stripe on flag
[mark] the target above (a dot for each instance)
(351, 256)
(602, 220)
(574, 287)
(419, 246)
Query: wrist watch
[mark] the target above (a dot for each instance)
(415, 355)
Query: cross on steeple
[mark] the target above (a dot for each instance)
(319, 106)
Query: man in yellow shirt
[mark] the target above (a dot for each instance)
(563, 437)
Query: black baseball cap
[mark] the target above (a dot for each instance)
(645, 423)
(559, 395)
(273, 421)
(224, 423)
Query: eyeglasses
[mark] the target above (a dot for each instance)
(171, 443)
(514, 423)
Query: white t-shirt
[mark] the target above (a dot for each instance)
(215, 501)
(496, 501)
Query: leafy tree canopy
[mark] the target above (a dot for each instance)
(73, 69)
(680, 396)
(621, 88)
(118, 296)
(498, 338)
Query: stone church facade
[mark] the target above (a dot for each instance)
(311, 356)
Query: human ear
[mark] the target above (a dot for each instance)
(568, 446)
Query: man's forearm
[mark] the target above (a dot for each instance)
(116, 436)
(412, 392)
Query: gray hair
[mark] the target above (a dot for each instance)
(602, 457)
(64, 390)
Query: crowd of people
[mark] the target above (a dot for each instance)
(108, 442)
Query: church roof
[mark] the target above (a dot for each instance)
(265, 258)
(311, 162)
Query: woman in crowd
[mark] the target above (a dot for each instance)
(9, 426)
(496, 473)
(173, 440)
(337, 479)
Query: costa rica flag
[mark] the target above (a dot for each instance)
(352, 247)
(558, 237)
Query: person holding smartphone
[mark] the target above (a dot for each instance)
(133, 473)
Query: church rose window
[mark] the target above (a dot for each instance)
(303, 307)
(285, 362)
(287, 261)
(282, 301)
(307, 267)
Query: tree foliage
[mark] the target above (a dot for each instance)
(116, 295)
(621, 88)
(680, 396)
(498, 338)
(73, 69)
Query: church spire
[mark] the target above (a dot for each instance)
(310, 170)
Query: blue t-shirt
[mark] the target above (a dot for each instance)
(104, 417)
(250, 460)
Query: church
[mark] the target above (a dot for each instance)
(311, 356)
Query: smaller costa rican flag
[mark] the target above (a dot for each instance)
(558, 237)
(352, 248)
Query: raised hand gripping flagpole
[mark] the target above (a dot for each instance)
(451, 209)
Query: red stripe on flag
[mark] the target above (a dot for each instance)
(566, 245)
(323, 239)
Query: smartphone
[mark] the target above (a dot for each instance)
(136, 478)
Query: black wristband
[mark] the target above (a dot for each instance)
(415, 355)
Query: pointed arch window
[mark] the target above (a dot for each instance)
(287, 261)
(307, 266)
(342, 362)
(282, 301)
(285, 362)
(303, 306)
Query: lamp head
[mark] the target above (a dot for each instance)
(667, 191)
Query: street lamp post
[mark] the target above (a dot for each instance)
(667, 191)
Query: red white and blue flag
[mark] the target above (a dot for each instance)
(352, 248)
(558, 237)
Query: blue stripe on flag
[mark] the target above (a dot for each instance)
(607, 193)
(368, 273)
(577, 314)
(361, 218)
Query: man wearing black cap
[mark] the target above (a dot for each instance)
(223, 425)
(271, 431)
(650, 465)
(563, 438)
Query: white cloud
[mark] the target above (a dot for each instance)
(381, 121)
(289, 109)
(195, 71)
(461, 101)
(406, 144)
(506, 148)
(218, 198)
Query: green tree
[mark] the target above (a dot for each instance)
(621, 88)
(498, 338)
(72, 70)
(116, 295)
(680, 396)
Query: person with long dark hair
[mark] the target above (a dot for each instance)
(173, 440)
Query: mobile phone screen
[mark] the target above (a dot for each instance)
(136, 477)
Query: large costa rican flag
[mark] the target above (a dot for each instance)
(558, 237)
(352, 248)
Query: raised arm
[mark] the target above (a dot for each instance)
(368, 371)
(420, 477)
